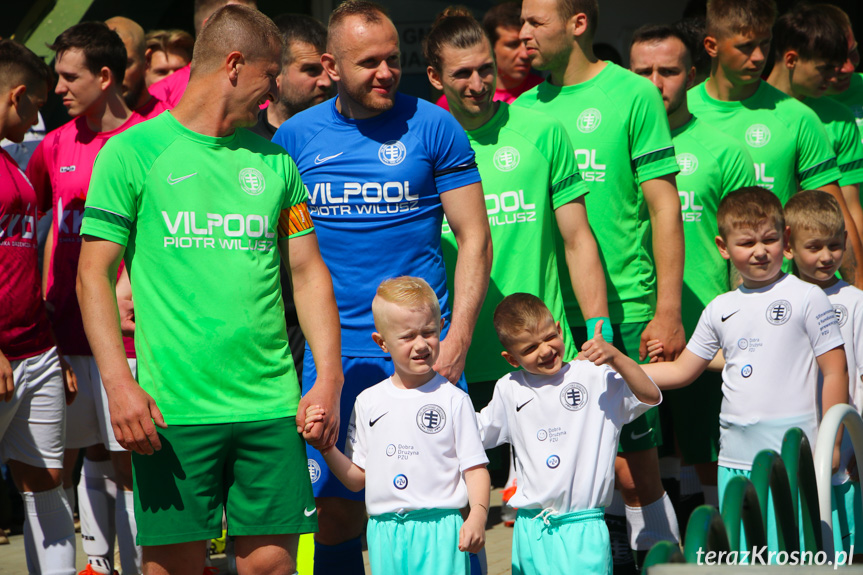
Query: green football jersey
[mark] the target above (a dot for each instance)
(786, 140)
(619, 129)
(201, 218)
(711, 165)
(844, 135)
(528, 170)
(852, 98)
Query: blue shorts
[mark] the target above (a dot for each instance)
(554, 544)
(360, 374)
(422, 542)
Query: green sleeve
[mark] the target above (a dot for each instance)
(816, 160)
(651, 149)
(112, 199)
(566, 182)
(849, 153)
(294, 220)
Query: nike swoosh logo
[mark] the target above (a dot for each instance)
(518, 407)
(320, 160)
(173, 181)
(373, 421)
(725, 317)
(309, 513)
(637, 436)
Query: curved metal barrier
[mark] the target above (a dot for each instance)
(800, 485)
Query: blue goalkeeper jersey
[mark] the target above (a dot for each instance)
(374, 190)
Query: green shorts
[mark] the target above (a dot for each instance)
(258, 466)
(544, 544)
(847, 523)
(691, 416)
(644, 432)
(421, 542)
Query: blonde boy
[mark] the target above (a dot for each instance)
(817, 245)
(413, 444)
(563, 420)
(775, 331)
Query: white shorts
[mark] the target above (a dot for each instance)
(88, 418)
(33, 424)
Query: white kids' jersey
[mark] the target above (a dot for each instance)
(414, 445)
(770, 337)
(564, 430)
(847, 302)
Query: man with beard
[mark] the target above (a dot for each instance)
(135, 92)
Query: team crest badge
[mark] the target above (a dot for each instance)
(841, 314)
(314, 470)
(431, 418)
(687, 163)
(573, 396)
(758, 135)
(588, 120)
(252, 181)
(779, 312)
(392, 153)
(506, 159)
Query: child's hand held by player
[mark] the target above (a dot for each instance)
(655, 350)
(314, 416)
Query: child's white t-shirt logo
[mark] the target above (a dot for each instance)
(573, 396)
(779, 312)
(431, 418)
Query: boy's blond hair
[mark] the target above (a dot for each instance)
(729, 17)
(405, 291)
(814, 211)
(516, 313)
(748, 208)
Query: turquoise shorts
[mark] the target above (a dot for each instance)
(576, 542)
(422, 542)
(846, 517)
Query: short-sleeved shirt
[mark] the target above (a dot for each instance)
(24, 329)
(847, 302)
(414, 445)
(564, 430)
(852, 98)
(770, 337)
(619, 130)
(844, 135)
(501, 94)
(169, 90)
(711, 165)
(528, 170)
(200, 218)
(60, 170)
(785, 138)
(374, 189)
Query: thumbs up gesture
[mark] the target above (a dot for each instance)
(597, 350)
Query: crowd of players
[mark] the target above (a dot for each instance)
(589, 186)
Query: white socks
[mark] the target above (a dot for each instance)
(97, 493)
(127, 530)
(689, 483)
(616, 507)
(652, 523)
(49, 533)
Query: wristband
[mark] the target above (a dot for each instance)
(607, 332)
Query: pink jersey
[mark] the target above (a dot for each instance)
(24, 328)
(151, 109)
(169, 90)
(60, 171)
(502, 94)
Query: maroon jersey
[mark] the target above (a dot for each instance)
(24, 329)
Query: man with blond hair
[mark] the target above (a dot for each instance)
(183, 199)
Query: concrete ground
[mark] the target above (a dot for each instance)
(498, 548)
